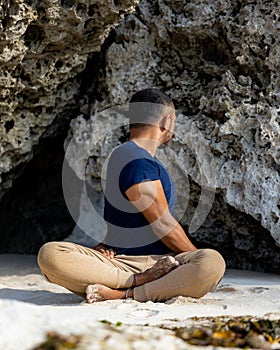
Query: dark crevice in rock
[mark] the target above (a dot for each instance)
(34, 211)
(90, 77)
(236, 9)
(242, 241)
(34, 33)
(68, 3)
(141, 18)
(9, 125)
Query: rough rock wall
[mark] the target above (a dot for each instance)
(241, 239)
(44, 45)
(219, 61)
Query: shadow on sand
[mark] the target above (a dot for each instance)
(40, 297)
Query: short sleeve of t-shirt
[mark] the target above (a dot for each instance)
(137, 171)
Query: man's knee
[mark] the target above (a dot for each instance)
(47, 255)
(212, 268)
(215, 262)
(208, 267)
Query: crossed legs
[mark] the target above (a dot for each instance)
(89, 273)
(99, 292)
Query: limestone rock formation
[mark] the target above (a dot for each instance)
(44, 46)
(44, 49)
(219, 61)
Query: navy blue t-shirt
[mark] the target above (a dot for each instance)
(128, 230)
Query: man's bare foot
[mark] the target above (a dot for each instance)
(99, 292)
(161, 268)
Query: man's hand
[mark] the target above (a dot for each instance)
(107, 252)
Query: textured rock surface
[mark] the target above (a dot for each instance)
(219, 61)
(240, 238)
(43, 46)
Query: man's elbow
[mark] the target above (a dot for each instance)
(164, 225)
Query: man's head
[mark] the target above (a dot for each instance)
(149, 108)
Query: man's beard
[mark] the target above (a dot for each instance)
(167, 137)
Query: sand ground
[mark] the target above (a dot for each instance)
(30, 307)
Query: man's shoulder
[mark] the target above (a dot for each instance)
(130, 151)
(124, 148)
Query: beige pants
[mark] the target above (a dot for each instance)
(75, 267)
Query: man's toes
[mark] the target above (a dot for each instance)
(90, 301)
(169, 262)
(89, 289)
(92, 293)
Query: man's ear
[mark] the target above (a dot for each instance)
(164, 122)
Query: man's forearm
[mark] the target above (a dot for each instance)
(177, 240)
(172, 234)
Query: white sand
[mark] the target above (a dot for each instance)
(30, 306)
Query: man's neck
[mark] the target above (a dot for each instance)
(147, 140)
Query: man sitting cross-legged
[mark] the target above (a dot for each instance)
(146, 255)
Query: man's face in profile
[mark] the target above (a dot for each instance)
(167, 137)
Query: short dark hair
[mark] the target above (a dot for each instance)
(146, 106)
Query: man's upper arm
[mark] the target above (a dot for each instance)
(149, 198)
